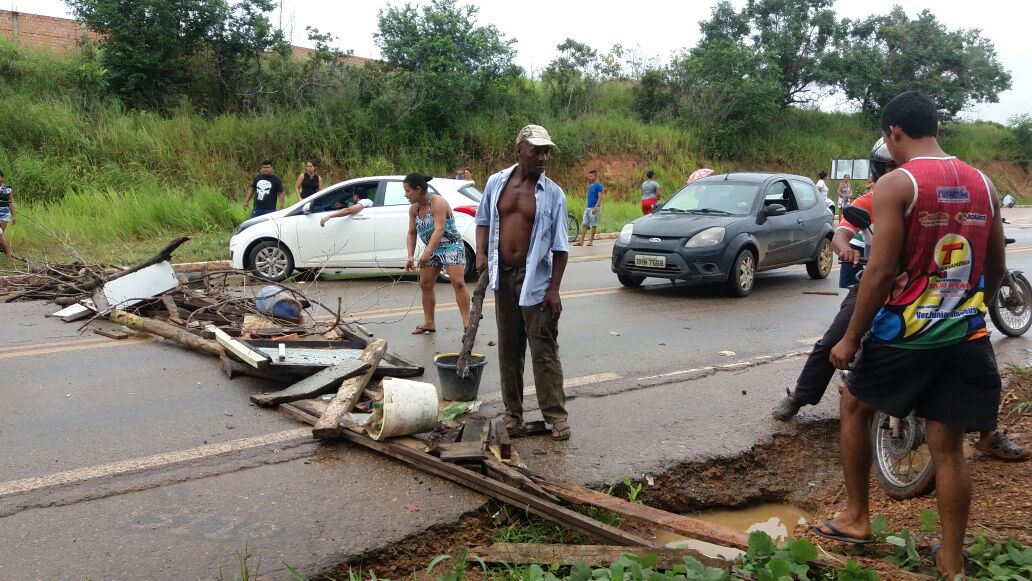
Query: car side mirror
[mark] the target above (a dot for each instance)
(307, 208)
(774, 210)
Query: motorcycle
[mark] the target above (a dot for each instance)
(902, 461)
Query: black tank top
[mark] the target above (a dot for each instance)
(5, 196)
(309, 185)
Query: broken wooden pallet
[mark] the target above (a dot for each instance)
(329, 424)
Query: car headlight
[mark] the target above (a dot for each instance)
(625, 234)
(246, 224)
(708, 237)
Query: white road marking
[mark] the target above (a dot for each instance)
(149, 462)
(569, 383)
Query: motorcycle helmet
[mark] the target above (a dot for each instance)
(880, 161)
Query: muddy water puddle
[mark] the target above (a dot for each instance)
(777, 520)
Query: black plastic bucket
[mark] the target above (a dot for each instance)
(453, 387)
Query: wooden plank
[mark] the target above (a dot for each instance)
(475, 430)
(173, 310)
(329, 425)
(503, 439)
(314, 385)
(591, 555)
(111, 334)
(692, 528)
(461, 451)
(241, 351)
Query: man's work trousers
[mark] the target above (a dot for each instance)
(516, 327)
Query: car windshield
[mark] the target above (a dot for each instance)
(471, 193)
(718, 198)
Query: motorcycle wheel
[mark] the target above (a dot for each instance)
(903, 464)
(1011, 312)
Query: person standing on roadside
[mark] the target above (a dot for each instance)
(7, 217)
(432, 221)
(845, 193)
(649, 193)
(308, 182)
(467, 174)
(267, 190)
(591, 210)
(522, 244)
(920, 314)
(822, 188)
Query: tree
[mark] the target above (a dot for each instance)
(571, 78)
(149, 44)
(156, 51)
(882, 56)
(727, 91)
(795, 35)
(446, 62)
(652, 96)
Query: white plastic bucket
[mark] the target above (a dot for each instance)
(409, 407)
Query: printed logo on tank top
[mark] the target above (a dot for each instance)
(957, 195)
(933, 219)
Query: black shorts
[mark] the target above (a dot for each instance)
(957, 385)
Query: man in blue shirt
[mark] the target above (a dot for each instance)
(522, 244)
(590, 219)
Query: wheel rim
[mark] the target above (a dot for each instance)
(1014, 311)
(902, 461)
(825, 258)
(746, 272)
(271, 262)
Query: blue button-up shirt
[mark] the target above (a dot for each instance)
(548, 234)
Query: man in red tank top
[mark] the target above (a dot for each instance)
(920, 314)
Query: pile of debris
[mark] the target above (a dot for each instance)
(340, 382)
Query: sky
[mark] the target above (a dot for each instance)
(653, 28)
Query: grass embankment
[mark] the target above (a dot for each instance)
(114, 184)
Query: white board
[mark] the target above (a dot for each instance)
(134, 288)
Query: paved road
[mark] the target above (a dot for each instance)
(139, 459)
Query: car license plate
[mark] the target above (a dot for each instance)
(649, 261)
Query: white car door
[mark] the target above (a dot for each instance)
(343, 242)
(391, 226)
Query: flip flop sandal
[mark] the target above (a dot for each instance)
(1002, 447)
(837, 535)
(969, 569)
(423, 331)
(561, 431)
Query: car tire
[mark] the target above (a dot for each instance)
(630, 280)
(742, 277)
(820, 267)
(271, 260)
(470, 270)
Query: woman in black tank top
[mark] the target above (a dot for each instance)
(308, 182)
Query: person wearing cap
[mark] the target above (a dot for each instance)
(522, 244)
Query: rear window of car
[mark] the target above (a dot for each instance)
(471, 193)
(730, 197)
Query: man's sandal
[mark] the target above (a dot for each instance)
(512, 424)
(561, 430)
(423, 331)
(1002, 447)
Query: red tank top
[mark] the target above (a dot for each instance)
(938, 298)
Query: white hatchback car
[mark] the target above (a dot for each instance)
(275, 244)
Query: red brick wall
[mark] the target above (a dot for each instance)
(36, 31)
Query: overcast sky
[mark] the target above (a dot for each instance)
(652, 27)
